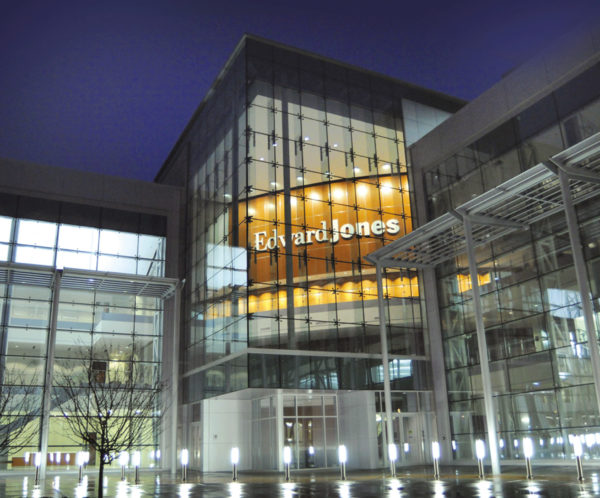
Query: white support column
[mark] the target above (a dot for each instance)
(279, 429)
(174, 382)
(490, 412)
(582, 280)
(48, 374)
(438, 365)
(387, 392)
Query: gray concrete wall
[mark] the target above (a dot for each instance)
(566, 58)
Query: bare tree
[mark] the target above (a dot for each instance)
(109, 404)
(20, 403)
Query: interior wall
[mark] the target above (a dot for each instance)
(358, 428)
(226, 423)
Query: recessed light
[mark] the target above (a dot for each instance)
(357, 170)
(300, 179)
(335, 145)
(307, 138)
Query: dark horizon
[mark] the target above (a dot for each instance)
(109, 87)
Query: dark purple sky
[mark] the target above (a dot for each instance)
(108, 86)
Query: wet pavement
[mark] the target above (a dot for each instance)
(557, 482)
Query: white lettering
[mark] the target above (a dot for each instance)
(377, 227)
(393, 226)
(299, 239)
(347, 231)
(272, 241)
(321, 234)
(258, 240)
(335, 231)
(362, 228)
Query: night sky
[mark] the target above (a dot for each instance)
(109, 86)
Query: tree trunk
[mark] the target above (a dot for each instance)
(101, 477)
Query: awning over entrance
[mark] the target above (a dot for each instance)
(514, 205)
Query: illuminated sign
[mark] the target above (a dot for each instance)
(323, 234)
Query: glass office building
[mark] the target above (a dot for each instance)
(539, 359)
(246, 277)
(296, 169)
(82, 286)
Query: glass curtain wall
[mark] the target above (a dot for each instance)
(90, 324)
(302, 175)
(539, 361)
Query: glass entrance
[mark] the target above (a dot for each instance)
(310, 429)
(410, 437)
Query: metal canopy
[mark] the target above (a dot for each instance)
(138, 285)
(513, 205)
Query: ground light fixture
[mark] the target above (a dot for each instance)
(480, 452)
(578, 450)
(393, 455)
(37, 461)
(528, 453)
(185, 460)
(343, 458)
(287, 459)
(136, 460)
(235, 459)
(435, 454)
(123, 461)
(80, 461)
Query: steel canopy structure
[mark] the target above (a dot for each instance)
(556, 185)
(513, 205)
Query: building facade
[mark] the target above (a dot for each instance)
(83, 285)
(320, 240)
(294, 169)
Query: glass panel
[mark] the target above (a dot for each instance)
(119, 243)
(5, 228)
(36, 233)
(78, 238)
(35, 256)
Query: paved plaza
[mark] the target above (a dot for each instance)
(553, 481)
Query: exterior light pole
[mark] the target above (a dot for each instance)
(578, 450)
(136, 460)
(528, 453)
(480, 452)
(123, 461)
(393, 454)
(37, 462)
(235, 459)
(185, 460)
(287, 459)
(435, 453)
(80, 461)
(342, 457)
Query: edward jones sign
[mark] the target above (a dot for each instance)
(324, 234)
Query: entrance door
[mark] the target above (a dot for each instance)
(413, 439)
(410, 438)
